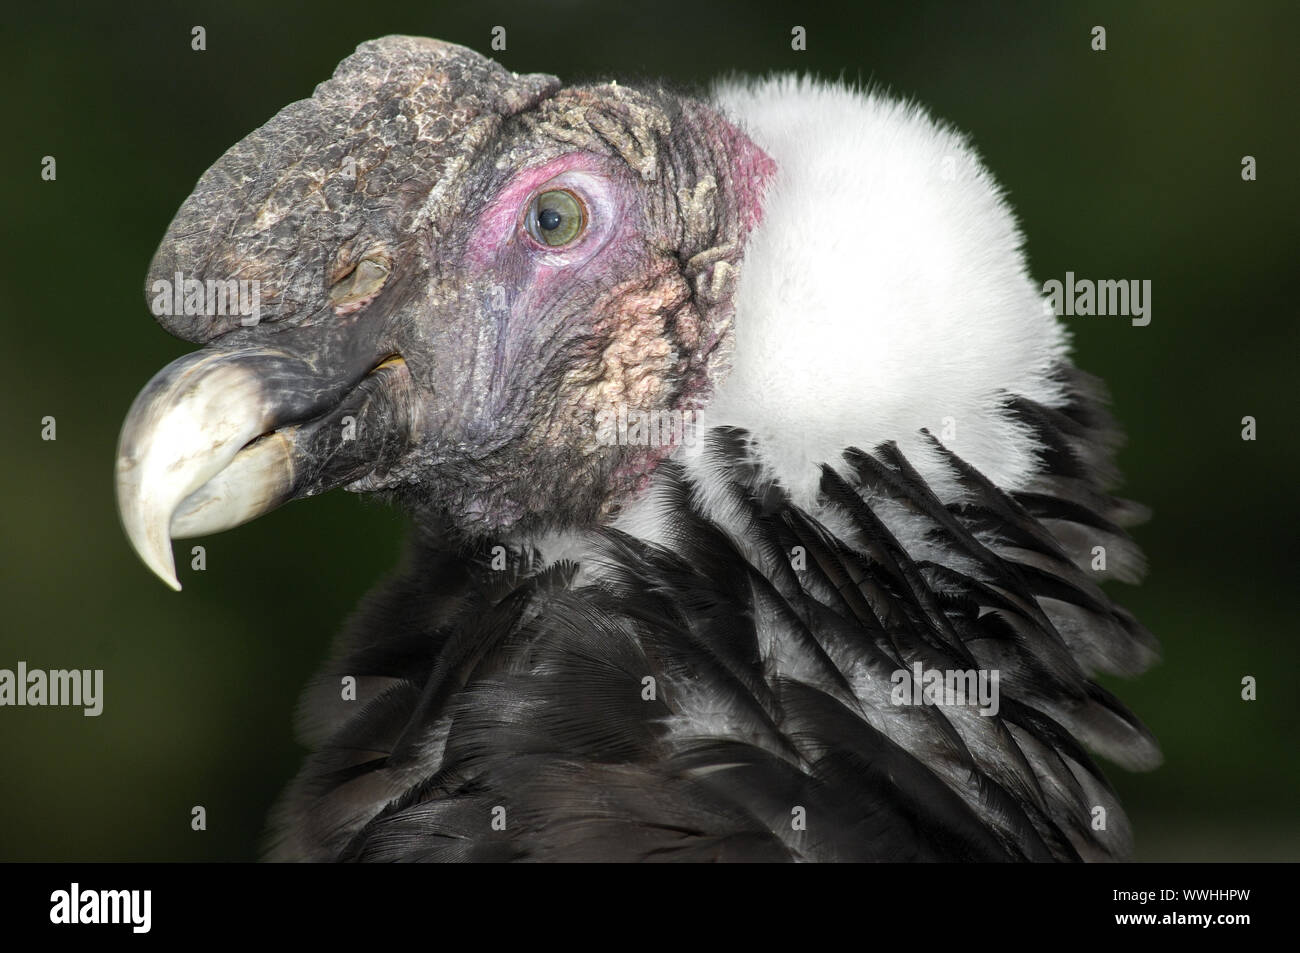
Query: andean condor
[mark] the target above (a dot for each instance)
(758, 505)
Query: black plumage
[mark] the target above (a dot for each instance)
(524, 689)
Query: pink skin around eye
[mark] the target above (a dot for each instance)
(582, 173)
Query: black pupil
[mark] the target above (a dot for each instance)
(549, 219)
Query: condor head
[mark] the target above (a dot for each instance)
(428, 280)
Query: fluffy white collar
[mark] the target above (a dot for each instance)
(884, 292)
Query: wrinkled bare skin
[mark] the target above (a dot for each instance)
(382, 218)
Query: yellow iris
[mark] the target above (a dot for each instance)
(557, 217)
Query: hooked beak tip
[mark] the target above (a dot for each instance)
(153, 548)
(215, 439)
(183, 428)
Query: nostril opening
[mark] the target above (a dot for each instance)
(358, 287)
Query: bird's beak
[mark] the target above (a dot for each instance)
(220, 437)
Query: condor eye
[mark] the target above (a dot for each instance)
(557, 218)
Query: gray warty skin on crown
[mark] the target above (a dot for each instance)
(856, 617)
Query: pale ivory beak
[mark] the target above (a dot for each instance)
(188, 427)
(220, 437)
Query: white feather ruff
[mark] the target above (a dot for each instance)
(884, 292)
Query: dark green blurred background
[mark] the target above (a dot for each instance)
(1123, 164)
